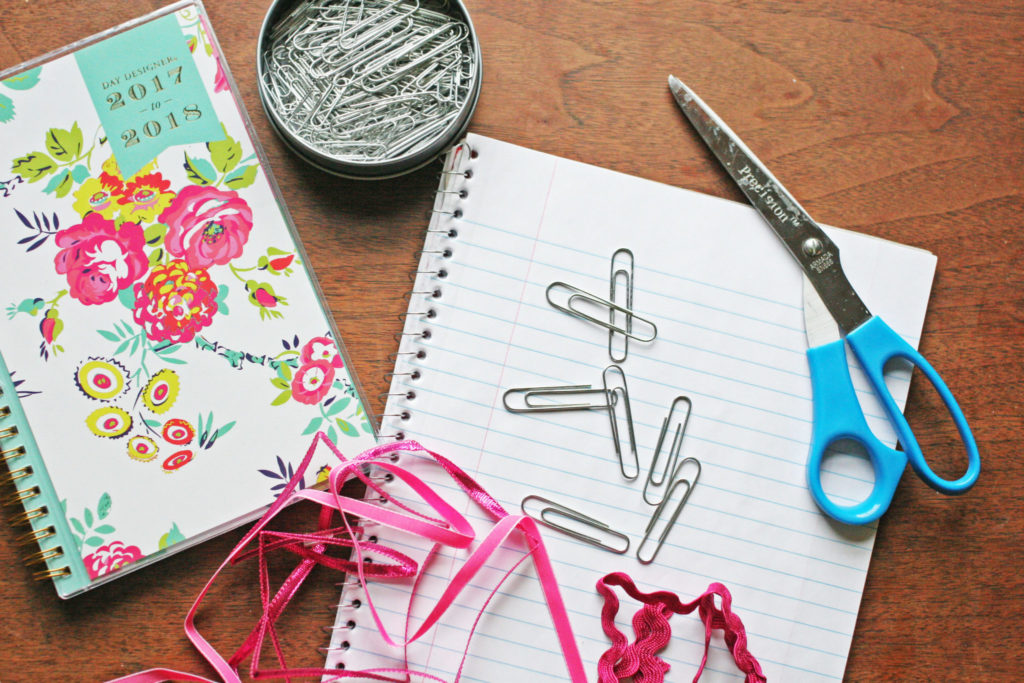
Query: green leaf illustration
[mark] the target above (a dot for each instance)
(332, 434)
(171, 537)
(104, 529)
(34, 166)
(339, 406)
(282, 398)
(313, 425)
(225, 153)
(94, 541)
(346, 427)
(88, 518)
(127, 298)
(64, 145)
(285, 371)
(6, 108)
(280, 383)
(109, 335)
(78, 526)
(60, 184)
(242, 177)
(200, 171)
(155, 233)
(80, 173)
(24, 80)
(103, 506)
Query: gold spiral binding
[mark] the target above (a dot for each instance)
(12, 453)
(52, 574)
(26, 517)
(36, 536)
(22, 496)
(44, 556)
(15, 475)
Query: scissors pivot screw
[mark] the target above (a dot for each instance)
(813, 246)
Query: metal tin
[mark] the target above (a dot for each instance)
(368, 169)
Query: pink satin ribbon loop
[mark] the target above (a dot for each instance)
(449, 529)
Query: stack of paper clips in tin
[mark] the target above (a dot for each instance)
(369, 88)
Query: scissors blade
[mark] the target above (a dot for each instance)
(820, 326)
(817, 255)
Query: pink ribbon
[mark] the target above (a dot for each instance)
(639, 660)
(450, 529)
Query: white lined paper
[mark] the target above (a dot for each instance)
(727, 301)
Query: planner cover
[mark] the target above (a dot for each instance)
(726, 298)
(165, 348)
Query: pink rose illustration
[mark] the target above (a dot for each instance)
(175, 302)
(110, 557)
(312, 381)
(100, 259)
(206, 226)
(321, 348)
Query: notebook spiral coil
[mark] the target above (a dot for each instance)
(427, 289)
(409, 365)
(20, 476)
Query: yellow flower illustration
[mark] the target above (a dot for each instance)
(109, 422)
(101, 379)
(162, 391)
(99, 195)
(145, 197)
(142, 448)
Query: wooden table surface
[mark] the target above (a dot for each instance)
(898, 119)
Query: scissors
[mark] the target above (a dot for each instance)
(831, 309)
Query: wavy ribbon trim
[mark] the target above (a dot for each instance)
(639, 661)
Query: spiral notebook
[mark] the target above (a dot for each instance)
(163, 345)
(726, 299)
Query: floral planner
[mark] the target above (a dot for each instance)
(164, 349)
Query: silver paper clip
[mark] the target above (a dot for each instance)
(615, 394)
(576, 295)
(554, 509)
(672, 459)
(530, 394)
(613, 282)
(660, 510)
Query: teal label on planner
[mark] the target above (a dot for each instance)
(147, 92)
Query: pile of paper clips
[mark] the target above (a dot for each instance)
(366, 80)
(665, 475)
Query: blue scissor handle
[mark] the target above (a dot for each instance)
(837, 416)
(875, 344)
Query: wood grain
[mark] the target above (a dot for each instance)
(898, 119)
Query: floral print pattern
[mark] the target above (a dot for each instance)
(110, 557)
(159, 260)
(207, 226)
(312, 382)
(175, 302)
(99, 258)
(145, 197)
